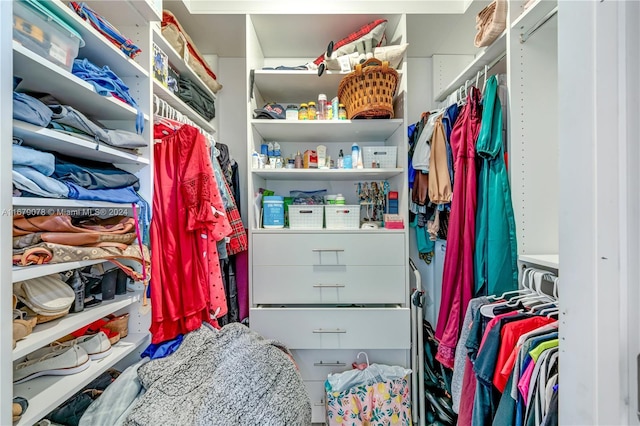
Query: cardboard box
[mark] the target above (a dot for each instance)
(310, 159)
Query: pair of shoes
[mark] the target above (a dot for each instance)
(22, 324)
(18, 407)
(69, 361)
(115, 327)
(97, 346)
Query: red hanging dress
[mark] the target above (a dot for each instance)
(457, 278)
(188, 219)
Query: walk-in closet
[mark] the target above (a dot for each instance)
(342, 213)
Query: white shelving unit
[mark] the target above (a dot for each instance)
(178, 62)
(298, 84)
(327, 174)
(21, 273)
(327, 130)
(547, 260)
(490, 54)
(53, 330)
(66, 203)
(47, 392)
(40, 75)
(533, 14)
(42, 138)
(179, 105)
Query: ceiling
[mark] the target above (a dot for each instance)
(224, 34)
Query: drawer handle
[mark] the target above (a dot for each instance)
(329, 364)
(319, 404)
(323, 331)
(321, 250)
(329, 285)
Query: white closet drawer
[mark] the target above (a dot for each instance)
(334, 328)
(318, 364)
(329, 249)
(317, 395)
(329, 284)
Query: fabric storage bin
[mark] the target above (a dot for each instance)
(384, 155)
(303, 216)
(43, 35)
(341, 216)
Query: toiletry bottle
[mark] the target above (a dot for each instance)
(340, 199)
(254, 160)
(298, 161)
(321, 151)
(322, 106)
(340, 160)
(355, 153)
(360, 164)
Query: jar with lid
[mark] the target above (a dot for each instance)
(303, 113)
(342, 112)
(292, 112)
(312, 111)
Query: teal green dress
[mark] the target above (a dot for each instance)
(496, 251)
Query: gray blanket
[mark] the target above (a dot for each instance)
(228, 377)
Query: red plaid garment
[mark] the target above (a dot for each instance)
(238, 238)
(354, 36)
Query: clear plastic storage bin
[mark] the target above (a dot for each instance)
(341, 216)
(302, 216)
(43, 36)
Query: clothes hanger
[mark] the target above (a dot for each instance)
(477, 78)
(487, 310)
(486, 71)
(534, 278)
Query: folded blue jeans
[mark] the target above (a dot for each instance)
(43, 162)
(34, 182)
(29, 109)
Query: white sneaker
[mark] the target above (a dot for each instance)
(56, 363)
(97, 347)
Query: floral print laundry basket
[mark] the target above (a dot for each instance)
(382, 403)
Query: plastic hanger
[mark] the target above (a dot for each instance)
(486, 71)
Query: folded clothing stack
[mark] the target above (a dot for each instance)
(42, 174)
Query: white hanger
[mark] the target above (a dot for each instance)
(477, 78)
(486, 71)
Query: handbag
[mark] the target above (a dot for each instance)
(48, 295)
(491, 22)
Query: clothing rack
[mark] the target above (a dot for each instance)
(461, 92)
(525, 36)
(163, 109)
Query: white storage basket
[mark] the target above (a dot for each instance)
(341, 216)
(302, 216)
(384, 155)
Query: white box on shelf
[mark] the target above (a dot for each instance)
(303, 216)
(341, 216)
(384, 156)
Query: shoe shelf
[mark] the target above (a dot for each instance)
(73, 146)
(21, 273)
(43, 334)
(61, 205)
(47, 392)
(41, 75)
(97, 48)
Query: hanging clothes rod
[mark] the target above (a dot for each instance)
(481, 73)
(527, 34)
(163, 109)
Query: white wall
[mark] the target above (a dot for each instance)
(420, 99)
(231, 113)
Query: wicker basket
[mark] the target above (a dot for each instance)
(368, 91)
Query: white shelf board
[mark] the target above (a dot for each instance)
(97, 48)
(126, 13)
(45, 333)
(488, 55)
(327, 231)
(178, 62)
(326, 130)
(21, 273)
(41, 75)
(299, 85)
(52, 140)
(548, 260)
(65, 203)
(326, 174)
(47, 392)
(177, 103)
(534, 13)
